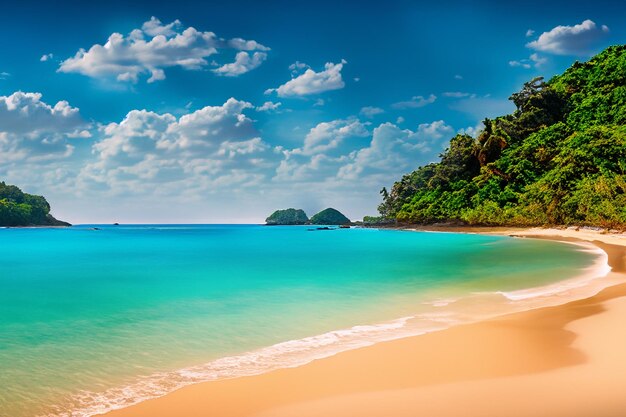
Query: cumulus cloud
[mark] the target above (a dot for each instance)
(374, 158)
(215, 146)
(46, 57)
(269, 106)
(155, 47)
(370, 111)
(415, 102)
(328, 135)
(32, 130)
(393, 151)
(311, 82)
(570, 40)
(214, 151)
(244, 62)
(319, 156)
(530, 33)
(154, 27)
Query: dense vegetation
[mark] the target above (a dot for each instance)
(559, 159)
(20, 209)
(289, 216)
(330, 216)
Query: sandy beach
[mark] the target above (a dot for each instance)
(566, 360)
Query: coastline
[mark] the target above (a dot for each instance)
(391, 376)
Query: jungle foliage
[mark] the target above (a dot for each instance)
(21, 209)
(558, 159)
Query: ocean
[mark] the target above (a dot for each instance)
(93, 320)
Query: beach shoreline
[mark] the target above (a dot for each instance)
(355, 382)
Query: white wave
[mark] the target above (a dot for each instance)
(288, 354)
(599, 269)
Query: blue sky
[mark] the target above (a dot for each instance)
(223, 112)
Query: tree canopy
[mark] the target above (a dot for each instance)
(329, 216)
(20, 209)
(558, 159)
(288, 216)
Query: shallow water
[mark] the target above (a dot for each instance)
(90, 319)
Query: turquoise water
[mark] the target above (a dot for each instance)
(85, 312)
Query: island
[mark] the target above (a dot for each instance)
(19, 209)
(287, 217)
(330, 216)
(294, 217)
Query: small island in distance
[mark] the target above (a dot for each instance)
(294, 217)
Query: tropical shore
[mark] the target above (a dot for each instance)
(565, 360)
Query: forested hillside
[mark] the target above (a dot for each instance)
(559, 159)
(20, 209)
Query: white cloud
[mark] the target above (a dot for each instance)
(570, 40)
(472, 131)
(269, 106)
(374, 158)
(394, 151)
(320, 155)
(530, 33)
(523, 63)
(154, 27)
(32, 130)
(243, 63)
(399, 120)
(245, 45)
(155, 47)
(534, 60)
(329, 135)
(457, 94)
(216, 146)
(202, 164)
(369, 111)
(538, 60)
(415, 102)
(458, 77)
(46, 57)
(311, 82)
(319, 102)
(297, 68)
